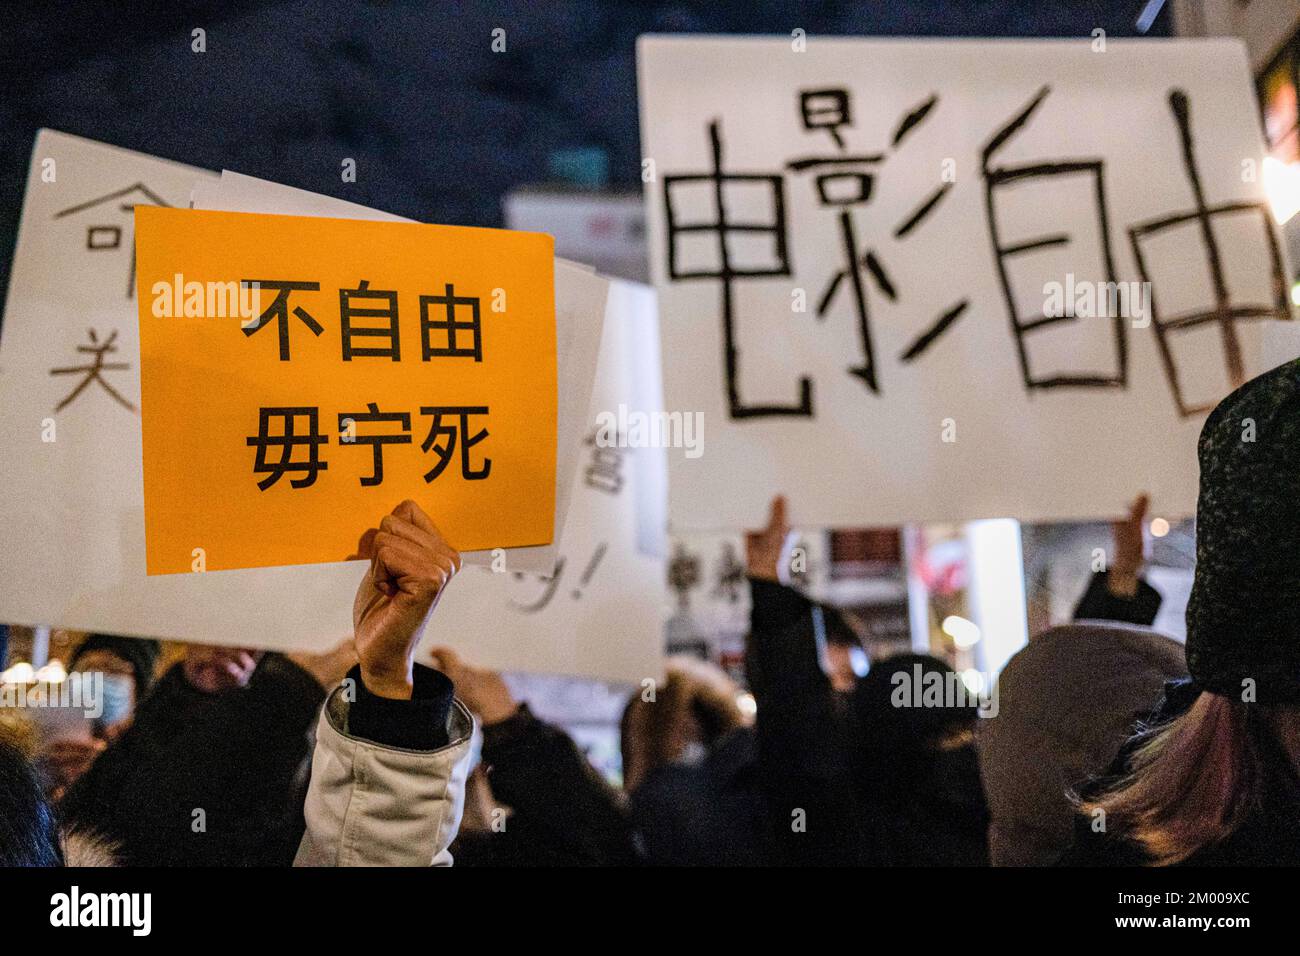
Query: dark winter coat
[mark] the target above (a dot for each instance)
(706, 814)
(562, 812)
(206, 779)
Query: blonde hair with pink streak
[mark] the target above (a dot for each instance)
(1193, 781)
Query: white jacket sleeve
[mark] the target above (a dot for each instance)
(371, 805)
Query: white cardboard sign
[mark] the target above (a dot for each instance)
(73, 507)
(601, 613)
(906, 280)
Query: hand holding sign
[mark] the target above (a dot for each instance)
(482, 689)
(1122, 579)
(767, 552)
(410, 564)
(328, 667)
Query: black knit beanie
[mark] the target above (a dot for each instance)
(1243, 619)
(140, 652)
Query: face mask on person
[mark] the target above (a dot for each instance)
(116, 698)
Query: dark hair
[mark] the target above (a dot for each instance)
(838, 629)
(890, 726)
(28, 830)
(903, 749)
(139, 652)
(696, 699)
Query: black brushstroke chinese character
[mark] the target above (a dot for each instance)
(845, 182)
(548, 589)
(605, 471)
(92, 371)
(108, 237)
(731, 575)
(552, 584)
(999, 180)
(1224, 311)
(732, 255)
(683, 575)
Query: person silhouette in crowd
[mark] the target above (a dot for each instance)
(1067, 702)
(126, 669)
(29, 832)
(211, 770)
(690, 771)
(875, 782)
(534, 799)
(390, 729)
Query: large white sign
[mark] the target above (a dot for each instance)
(946, 280)
(73, 507)
(601, 613)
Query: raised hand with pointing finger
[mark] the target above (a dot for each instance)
(768, 552)
(1122, 579)
(1118, 592)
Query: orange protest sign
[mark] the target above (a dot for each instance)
(300, 376)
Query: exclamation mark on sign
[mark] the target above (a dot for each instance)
(591, 569)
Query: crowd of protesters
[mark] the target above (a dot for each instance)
(1110, 743)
